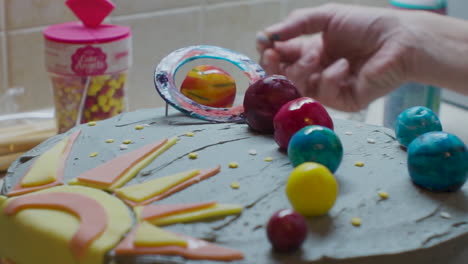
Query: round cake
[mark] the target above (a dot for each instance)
(82, 197)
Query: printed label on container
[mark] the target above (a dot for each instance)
(88, 59)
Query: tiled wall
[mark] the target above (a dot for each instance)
(159, 27)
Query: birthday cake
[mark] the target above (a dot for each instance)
(146, 188)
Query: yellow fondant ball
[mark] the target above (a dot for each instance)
(311, 189)
(209, 85)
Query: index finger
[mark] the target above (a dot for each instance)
(301, 22)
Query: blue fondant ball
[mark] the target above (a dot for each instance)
(414, 122)
(318, 144)
(438, 161)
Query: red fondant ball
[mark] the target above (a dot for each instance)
(286, 230)
(297, 114)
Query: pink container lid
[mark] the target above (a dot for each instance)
(77, 33)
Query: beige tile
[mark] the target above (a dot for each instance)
(378, 3)
(32, 13)
(294, 4)
(215, 2)
(26, 69)
(126, 7)
(234, 26)
(154, 37)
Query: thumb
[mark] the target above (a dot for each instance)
(330, 90)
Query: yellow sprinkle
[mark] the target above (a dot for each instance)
(94, 154)
(359, 164)
(139, 127)
(128, 141)
(235, 185)
(110, 140)
(356, 221)
(94, 109)
(190, 134)
(92, 123)
(382, 194)
(193, 155)
(233, 164)
(268, 159)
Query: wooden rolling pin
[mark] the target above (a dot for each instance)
(7, 160)
(23, 143)
(17, 139)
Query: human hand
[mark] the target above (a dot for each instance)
(361, 54)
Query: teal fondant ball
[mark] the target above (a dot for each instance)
(317, 144)
(414, 122)
(438, 161)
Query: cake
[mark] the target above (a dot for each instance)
(40, 225)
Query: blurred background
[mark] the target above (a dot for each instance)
(159, 27)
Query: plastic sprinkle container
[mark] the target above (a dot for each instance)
(88, 68)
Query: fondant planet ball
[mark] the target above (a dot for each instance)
(318, 144)
(209, 85)
(414, 122)
(286, 230)
(264, 98)
(311, 189)
(438, 161)
(297, 114)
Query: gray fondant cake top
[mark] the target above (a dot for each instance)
(411, 226)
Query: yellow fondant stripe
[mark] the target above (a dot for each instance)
(86, 184)
(143, 163)
(148, 235)
(44, 169)
(137, 210)
(143, 191)
(131, 172)
(216, 210)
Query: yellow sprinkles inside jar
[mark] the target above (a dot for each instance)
(356, 221)
(193, 155)
(233, 165)
(94, 154)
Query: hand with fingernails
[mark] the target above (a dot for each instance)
(346, 56)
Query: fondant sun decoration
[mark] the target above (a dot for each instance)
(83, 222)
